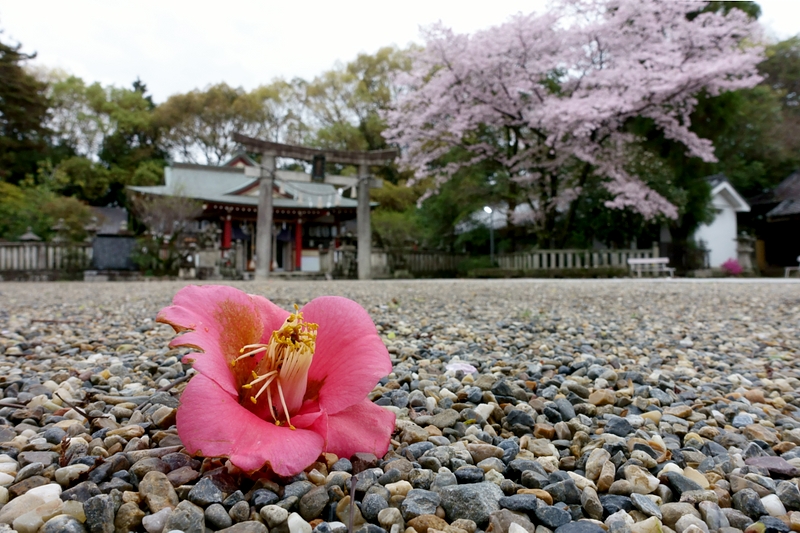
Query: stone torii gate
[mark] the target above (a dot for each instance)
(269, 151)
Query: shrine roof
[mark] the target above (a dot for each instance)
(230, 185)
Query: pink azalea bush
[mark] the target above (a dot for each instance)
(731, 267)
(276, 389)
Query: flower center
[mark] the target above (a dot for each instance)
(281, 375)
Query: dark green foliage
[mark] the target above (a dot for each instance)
(40, 209)
(23, 112)
(156, 257)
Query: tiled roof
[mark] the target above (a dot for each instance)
(230, 185)
(788, 189)
(785, 208)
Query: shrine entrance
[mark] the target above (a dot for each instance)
(265, 244)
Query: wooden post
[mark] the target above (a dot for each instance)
(227, 231)
(298, 243)
(761, 255)
(264, 224)
(363, 224)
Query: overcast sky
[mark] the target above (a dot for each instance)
(176, 45)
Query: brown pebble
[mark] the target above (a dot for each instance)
(129, 518)
(464, 523)
(433, 431)
(182, 476)
(539, 493)
(18, 489)
(543, 431)
(330, 459)
(602, 397)
(116, 448)
(363, 461)
(783, 447)
(755, 396)
(423, 522)
(723, 496)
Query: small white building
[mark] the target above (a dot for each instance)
(719, 236)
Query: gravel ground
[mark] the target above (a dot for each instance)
(623, 406)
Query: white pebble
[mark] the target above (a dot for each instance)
(154, 523)
(69, 473)
(297, 524)
(773, 505)
(516, 528)
(29, 522)
(48, 493)
(274, 515)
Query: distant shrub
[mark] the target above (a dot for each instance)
(731, 267)
(469, 264)
(551, 273)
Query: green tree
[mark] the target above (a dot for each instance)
(456, 201)
(782, 75)
(77, 120)
(281, 114)
(396, 222)
(135, 137)
(23, 113)
(103, 139)
(344, 106)
(40, 209)
(199, 125)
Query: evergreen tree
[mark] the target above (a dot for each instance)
(23, 113)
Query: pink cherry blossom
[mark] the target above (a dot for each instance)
(547, 98)
(276, 389)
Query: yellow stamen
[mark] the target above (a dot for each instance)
(287, 358)
(258, 349)
(285, 409)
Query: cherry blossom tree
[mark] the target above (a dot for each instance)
(545, 99)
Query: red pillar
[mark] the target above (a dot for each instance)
(298, 244)
(226, 233)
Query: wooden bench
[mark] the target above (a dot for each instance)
(650, 265)
(788, 271)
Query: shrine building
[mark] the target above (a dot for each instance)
(310, 213)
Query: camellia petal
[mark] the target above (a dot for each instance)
(350, 357)
(212, 423)
(459, 365)
(221, 321)
(363, 427)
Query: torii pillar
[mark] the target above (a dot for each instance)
(270, 150)
(264, 222)
(364, 225)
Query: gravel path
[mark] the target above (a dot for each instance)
(623, 406)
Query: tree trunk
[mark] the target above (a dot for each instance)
(513, 192)
(573, 207)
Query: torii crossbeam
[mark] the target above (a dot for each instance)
(269, 151)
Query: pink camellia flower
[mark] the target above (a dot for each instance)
(275, 388)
